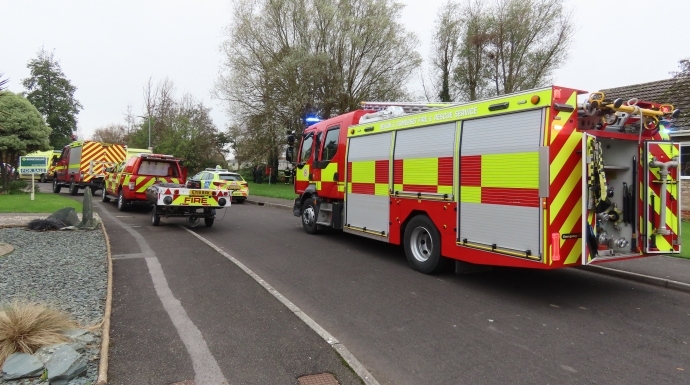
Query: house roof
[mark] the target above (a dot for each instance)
(675, 91)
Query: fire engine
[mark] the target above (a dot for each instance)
(82, 163)
(532, 179)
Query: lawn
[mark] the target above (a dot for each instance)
(285, 191)
(42, 203)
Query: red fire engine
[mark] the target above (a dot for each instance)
(531, 179)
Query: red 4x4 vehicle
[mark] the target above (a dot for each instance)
(129, 180)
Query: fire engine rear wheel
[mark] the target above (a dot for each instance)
(423, 245)
(309, 217)
(208, 221)
(104, 195)
(73, 188)
(122, 203)
(56, 186)
(155, 217)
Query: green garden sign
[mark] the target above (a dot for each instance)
(33, 165)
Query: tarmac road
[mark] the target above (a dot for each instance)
(506, 326)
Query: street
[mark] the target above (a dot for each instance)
(502, 326)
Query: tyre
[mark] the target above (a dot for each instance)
(56, 186)
(209, 221)
(43, 179)
(155, 217)
(73, 188)
(309, 212)
(423, 245)
(104, 195)
(122, 203)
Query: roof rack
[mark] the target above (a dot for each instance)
(408, 107)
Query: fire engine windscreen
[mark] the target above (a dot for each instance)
(157, 168)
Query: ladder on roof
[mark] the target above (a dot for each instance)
(408, 107)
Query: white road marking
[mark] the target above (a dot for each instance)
(206, 368)
(340, 348)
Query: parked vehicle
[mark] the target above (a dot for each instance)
(530, 180)
(223, 179)
(128, 181)
(177, 200)
(50, 156)
(82, 165)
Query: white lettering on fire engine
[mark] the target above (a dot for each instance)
(466, 112)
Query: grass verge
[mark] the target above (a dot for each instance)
(25, 327)
(284, 191)
(42, 203)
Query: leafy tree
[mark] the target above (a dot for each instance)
(22, 130)
(502, 48)
(53, 95)
(284, 59)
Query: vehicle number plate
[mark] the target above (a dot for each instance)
(199, 193)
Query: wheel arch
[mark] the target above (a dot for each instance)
(407, 220)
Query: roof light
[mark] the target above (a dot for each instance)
(312, 119)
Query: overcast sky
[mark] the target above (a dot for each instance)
(109, 50)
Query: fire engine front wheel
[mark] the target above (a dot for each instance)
(73, 188)
(309, 217)
(56, 186)
(423, 245)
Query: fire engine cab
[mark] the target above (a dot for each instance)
(533, 179)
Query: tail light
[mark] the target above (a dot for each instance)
(555, 247)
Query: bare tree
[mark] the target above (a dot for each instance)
(502, 48)
(113, 133)
(288, 58)
(445, 47)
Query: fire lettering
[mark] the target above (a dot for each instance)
(201, 200)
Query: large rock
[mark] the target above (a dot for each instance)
(64, 365)
(68, 216)
(45, 352)
(22, 365)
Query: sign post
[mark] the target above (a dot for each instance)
(33, 165)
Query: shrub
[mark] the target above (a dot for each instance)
(19, 186)
(45, 224)
(25, 327)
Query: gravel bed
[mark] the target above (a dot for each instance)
(66, 270)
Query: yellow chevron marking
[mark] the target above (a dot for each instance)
(420, 171)
(671, 218)
(523, 171)
(470, 194)
(574, 141)
(565, 191)
(364, 172)
(564, 116)
(575, 253)
(571, 221)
